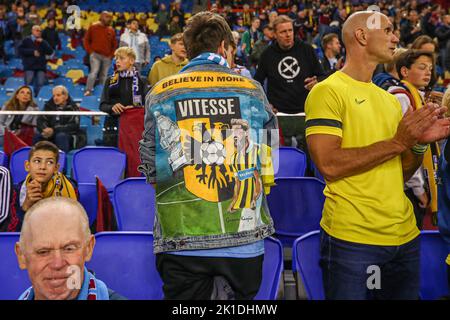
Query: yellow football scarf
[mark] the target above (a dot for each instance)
(430, 160)
(58, 186)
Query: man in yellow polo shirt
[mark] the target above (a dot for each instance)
(366, 149)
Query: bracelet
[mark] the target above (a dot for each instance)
(419, 149)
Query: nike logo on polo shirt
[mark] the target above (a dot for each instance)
(359, 102)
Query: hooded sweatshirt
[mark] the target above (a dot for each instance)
(164, 68)
(286, 72)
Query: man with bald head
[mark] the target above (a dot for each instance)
(366, 150)
(55, 242)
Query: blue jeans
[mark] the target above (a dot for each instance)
(61, 139)
(348, 274)
(35, 78)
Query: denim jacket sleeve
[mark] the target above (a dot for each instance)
(147, 144)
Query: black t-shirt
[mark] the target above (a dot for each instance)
(286, 72)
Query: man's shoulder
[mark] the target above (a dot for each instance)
(302, 47)
(157, 64)
(27, 40)
(201, 77)
(334, 82)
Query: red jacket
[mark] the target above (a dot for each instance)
(100, 39)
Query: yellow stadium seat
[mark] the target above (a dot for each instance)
(55, 66)
(75, 74)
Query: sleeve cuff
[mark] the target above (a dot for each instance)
(324, 130)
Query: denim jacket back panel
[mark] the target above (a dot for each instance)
(205, 147)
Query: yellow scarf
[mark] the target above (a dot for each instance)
(430, 160)
(58, 186)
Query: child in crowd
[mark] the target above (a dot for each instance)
(44, 180)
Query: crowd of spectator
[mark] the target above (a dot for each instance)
(314, 19)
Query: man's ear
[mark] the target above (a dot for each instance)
(90, 248)
(27, 166)
(361, 36)
(20, 256)
(403, 72)
(222, 51)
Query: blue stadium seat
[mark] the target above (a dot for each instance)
(296, 207)
(305, 263)
(45, 93)
(134, 205)
(41, 103)
(3, 97)
(3, 159)
(15, 64)
(98, 89)
(90, 102)
(317, 173)
(290, 162)
(94, 133)
(77, 93)
(433, 269)
(69, 157)
(107, 163)
(89, 199)
(6, 72)
(13, 83)
(67, 82)
(73, 63)
(13, 280)
(17, 164)
(272, 270)
(126, 263)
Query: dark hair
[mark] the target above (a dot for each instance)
(132, 19)
(44, 145)
(204, 32)
(408, 58)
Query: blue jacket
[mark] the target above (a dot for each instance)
(444, 199)
(29, 61)
(203, 145)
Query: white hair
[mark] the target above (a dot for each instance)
(63, 89)
(61, 202)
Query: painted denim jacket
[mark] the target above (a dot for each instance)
(205, 148)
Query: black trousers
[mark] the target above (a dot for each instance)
(198, 278)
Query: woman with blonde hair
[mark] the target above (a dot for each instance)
(23, 126)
